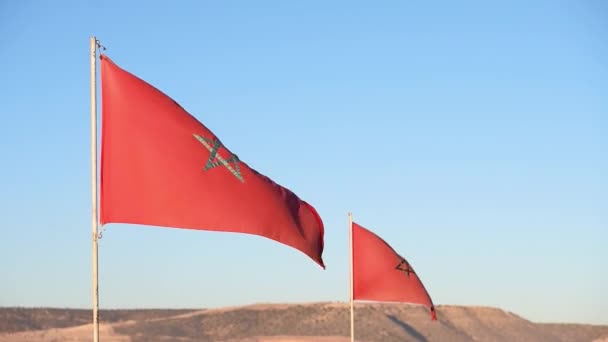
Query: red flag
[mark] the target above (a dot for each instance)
(160, 166)
(381, 274)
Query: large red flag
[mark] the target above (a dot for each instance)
(381, 274)
(160, 166)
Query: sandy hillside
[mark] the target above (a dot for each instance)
(314, 322)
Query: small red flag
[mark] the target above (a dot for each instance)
(160, 166)
(381, 274)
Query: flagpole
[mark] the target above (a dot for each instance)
(352, 309)
(94, 220)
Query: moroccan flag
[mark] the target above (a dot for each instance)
(381, 274)
(160, 166)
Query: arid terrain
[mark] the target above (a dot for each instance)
(322, 322)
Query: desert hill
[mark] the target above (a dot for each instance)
(322, 322)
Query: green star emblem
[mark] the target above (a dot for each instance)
(404, 267)
(216, 160)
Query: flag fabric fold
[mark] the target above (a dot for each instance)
(160, 166)
(381, 274)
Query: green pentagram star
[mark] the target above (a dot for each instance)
(404, 267)
(216, 160)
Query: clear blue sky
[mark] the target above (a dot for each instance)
(472, 136)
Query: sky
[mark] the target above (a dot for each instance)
(472, 136)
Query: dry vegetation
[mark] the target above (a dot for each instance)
(322, 322)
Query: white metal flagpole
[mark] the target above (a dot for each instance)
(94, 185)
(350, 247)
